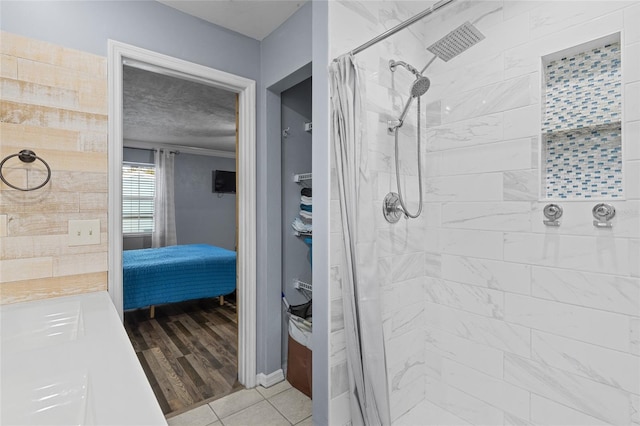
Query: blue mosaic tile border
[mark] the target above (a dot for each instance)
(581, 127)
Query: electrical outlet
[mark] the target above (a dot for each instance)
(84, 232)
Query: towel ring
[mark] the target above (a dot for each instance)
(26, 156)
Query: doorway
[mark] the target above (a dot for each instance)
(120, 54)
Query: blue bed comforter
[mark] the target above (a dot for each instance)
(177, 273)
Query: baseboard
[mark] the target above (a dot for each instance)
(267, 380)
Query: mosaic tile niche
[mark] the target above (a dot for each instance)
(581, 128)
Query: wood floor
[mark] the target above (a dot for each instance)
(188, 351)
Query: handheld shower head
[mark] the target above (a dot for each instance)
(420, 86)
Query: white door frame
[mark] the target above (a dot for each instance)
(246, 257)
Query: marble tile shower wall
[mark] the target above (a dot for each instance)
(490, 316)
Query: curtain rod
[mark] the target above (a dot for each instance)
(400, 26)
(152, 149)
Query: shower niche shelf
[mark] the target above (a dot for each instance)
(581, 122)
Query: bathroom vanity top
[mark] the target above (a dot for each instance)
(68, 361)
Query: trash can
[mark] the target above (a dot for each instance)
(299, 356)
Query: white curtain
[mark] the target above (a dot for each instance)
(360, 287)
(164, 216)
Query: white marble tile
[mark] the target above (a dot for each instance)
(433, 265)
(631, 19)
(405, 373)
(404, 320)
(632, 101)
(465, 406)
(475, 187)
(634, 336)
(632, 177)
(545, 412)
(602, 291)
(306, 422)
(496, 392)
(594, 254)
(462, 242)
(470, 298)
(493, 98)
(506, 216)
(407, 266)
(335, 282)
(337, 317)
(487, 331)
(522, 122)
(396, 296)
(338, 347)
(428, 414)
(585, 324)
(511, 277)
(293, 404)
(404, 399)
(595, 399)
(521, 185)
(525, 59)
(398, 240)
(235, 402)
(400, 349)
(336, 243)
(200, 416)
(634, 255)
(261, 413)
(494, 157)
(561, 15)
(631, 63)
(476, 131)
(512, 420)
(635, 409)
(481, 357)
(599, 364)
(631, 142)
(577, 219)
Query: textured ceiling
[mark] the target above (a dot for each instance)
(253, 18)
(168, 110)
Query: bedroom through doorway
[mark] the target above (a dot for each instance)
(180, 301)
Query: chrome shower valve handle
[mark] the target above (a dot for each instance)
(553, 213)
(602, 214)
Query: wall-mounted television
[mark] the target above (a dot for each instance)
(224, 181)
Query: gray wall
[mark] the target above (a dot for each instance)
(202, 217)
(285, 58)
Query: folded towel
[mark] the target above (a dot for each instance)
(300, 226)
(306, 192)
(306, 215)
(306, 220)
(305, 207)
(306, 200)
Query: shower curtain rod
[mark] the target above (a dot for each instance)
(400, 26)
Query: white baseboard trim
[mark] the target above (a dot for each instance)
(267, 380)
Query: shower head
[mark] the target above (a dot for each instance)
(420, 86)
(456, 42)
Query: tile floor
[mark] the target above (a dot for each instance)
(278, 405)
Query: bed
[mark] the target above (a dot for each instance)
(176, 273)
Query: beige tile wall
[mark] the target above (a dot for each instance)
(54, 102)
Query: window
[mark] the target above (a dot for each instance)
(138, 188)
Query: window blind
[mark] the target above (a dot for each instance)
(138, 188)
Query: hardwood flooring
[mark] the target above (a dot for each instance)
(189, 351)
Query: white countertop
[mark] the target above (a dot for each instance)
(68, 361)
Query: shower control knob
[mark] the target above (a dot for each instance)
(602, 214)
(553, 213)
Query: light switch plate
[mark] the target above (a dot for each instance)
(84, 232)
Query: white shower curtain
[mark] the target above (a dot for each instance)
(360, 287)
(164, 216)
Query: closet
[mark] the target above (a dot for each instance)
(297, 232)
